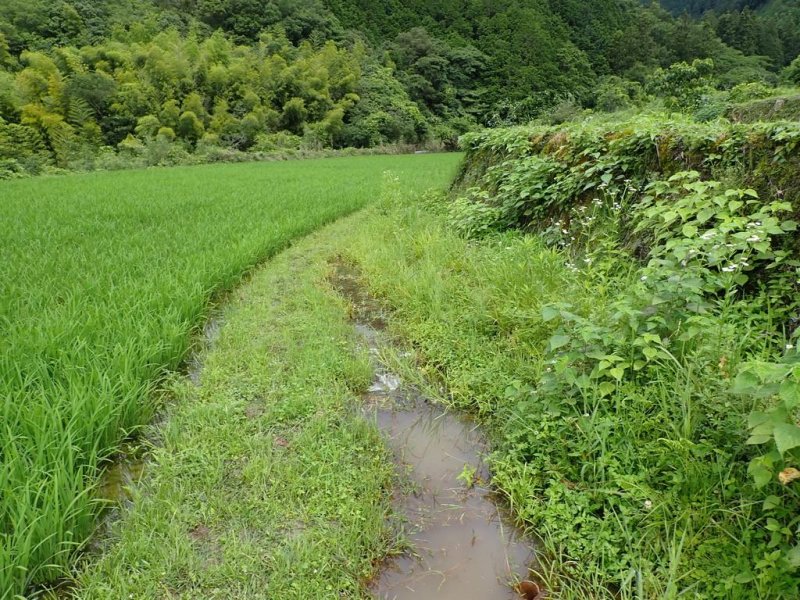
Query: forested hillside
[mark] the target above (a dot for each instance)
(109, 83)
(765, 27)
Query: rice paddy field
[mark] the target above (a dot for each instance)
(104, 278)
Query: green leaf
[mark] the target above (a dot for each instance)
(771, 502)
(757, 440)
(740, 279)
(745, 577)
(745, 383)
(790, 393)
(789, 225)
(704, 215)
(793, 556)
(606, 388)
(787, 436)
(761, 475)
(549, 313)
(618, 373)
(558, 341)
(689, 231)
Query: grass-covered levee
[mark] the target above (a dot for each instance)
(620, 303)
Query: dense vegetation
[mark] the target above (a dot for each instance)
(649, 386)
(640, 324)
(87, 85)
(770, 28)
(102, 279)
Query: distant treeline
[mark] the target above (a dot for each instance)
(78, 76)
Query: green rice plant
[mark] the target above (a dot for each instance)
(104, 278)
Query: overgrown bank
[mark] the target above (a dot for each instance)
(627, 321)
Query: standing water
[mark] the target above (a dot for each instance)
(120, 475)
(462, 545)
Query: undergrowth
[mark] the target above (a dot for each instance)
(619, 343)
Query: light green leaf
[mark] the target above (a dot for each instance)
(761, 475)
(757, 440)
(618, 373)
(787, 436)
(549, 313)
(650, 353)
(745, 383)
(793, 556)
(704, 215)
(790, 393)
(606, 388)
(558, 341)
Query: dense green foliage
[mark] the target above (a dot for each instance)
(769, 28)
(632, 423)
(87, 85)
(102, 279)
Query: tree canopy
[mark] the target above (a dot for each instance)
(136, 76)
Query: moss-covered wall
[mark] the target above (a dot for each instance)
(586, 158)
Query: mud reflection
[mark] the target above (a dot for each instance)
(462, 543)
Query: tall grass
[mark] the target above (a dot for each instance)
(639, 489)
(102, 280)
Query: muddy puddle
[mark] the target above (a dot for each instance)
(462, 544)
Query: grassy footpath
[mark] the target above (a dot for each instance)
(268, 484)
(103, 278)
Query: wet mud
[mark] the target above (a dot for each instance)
(462, 543)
